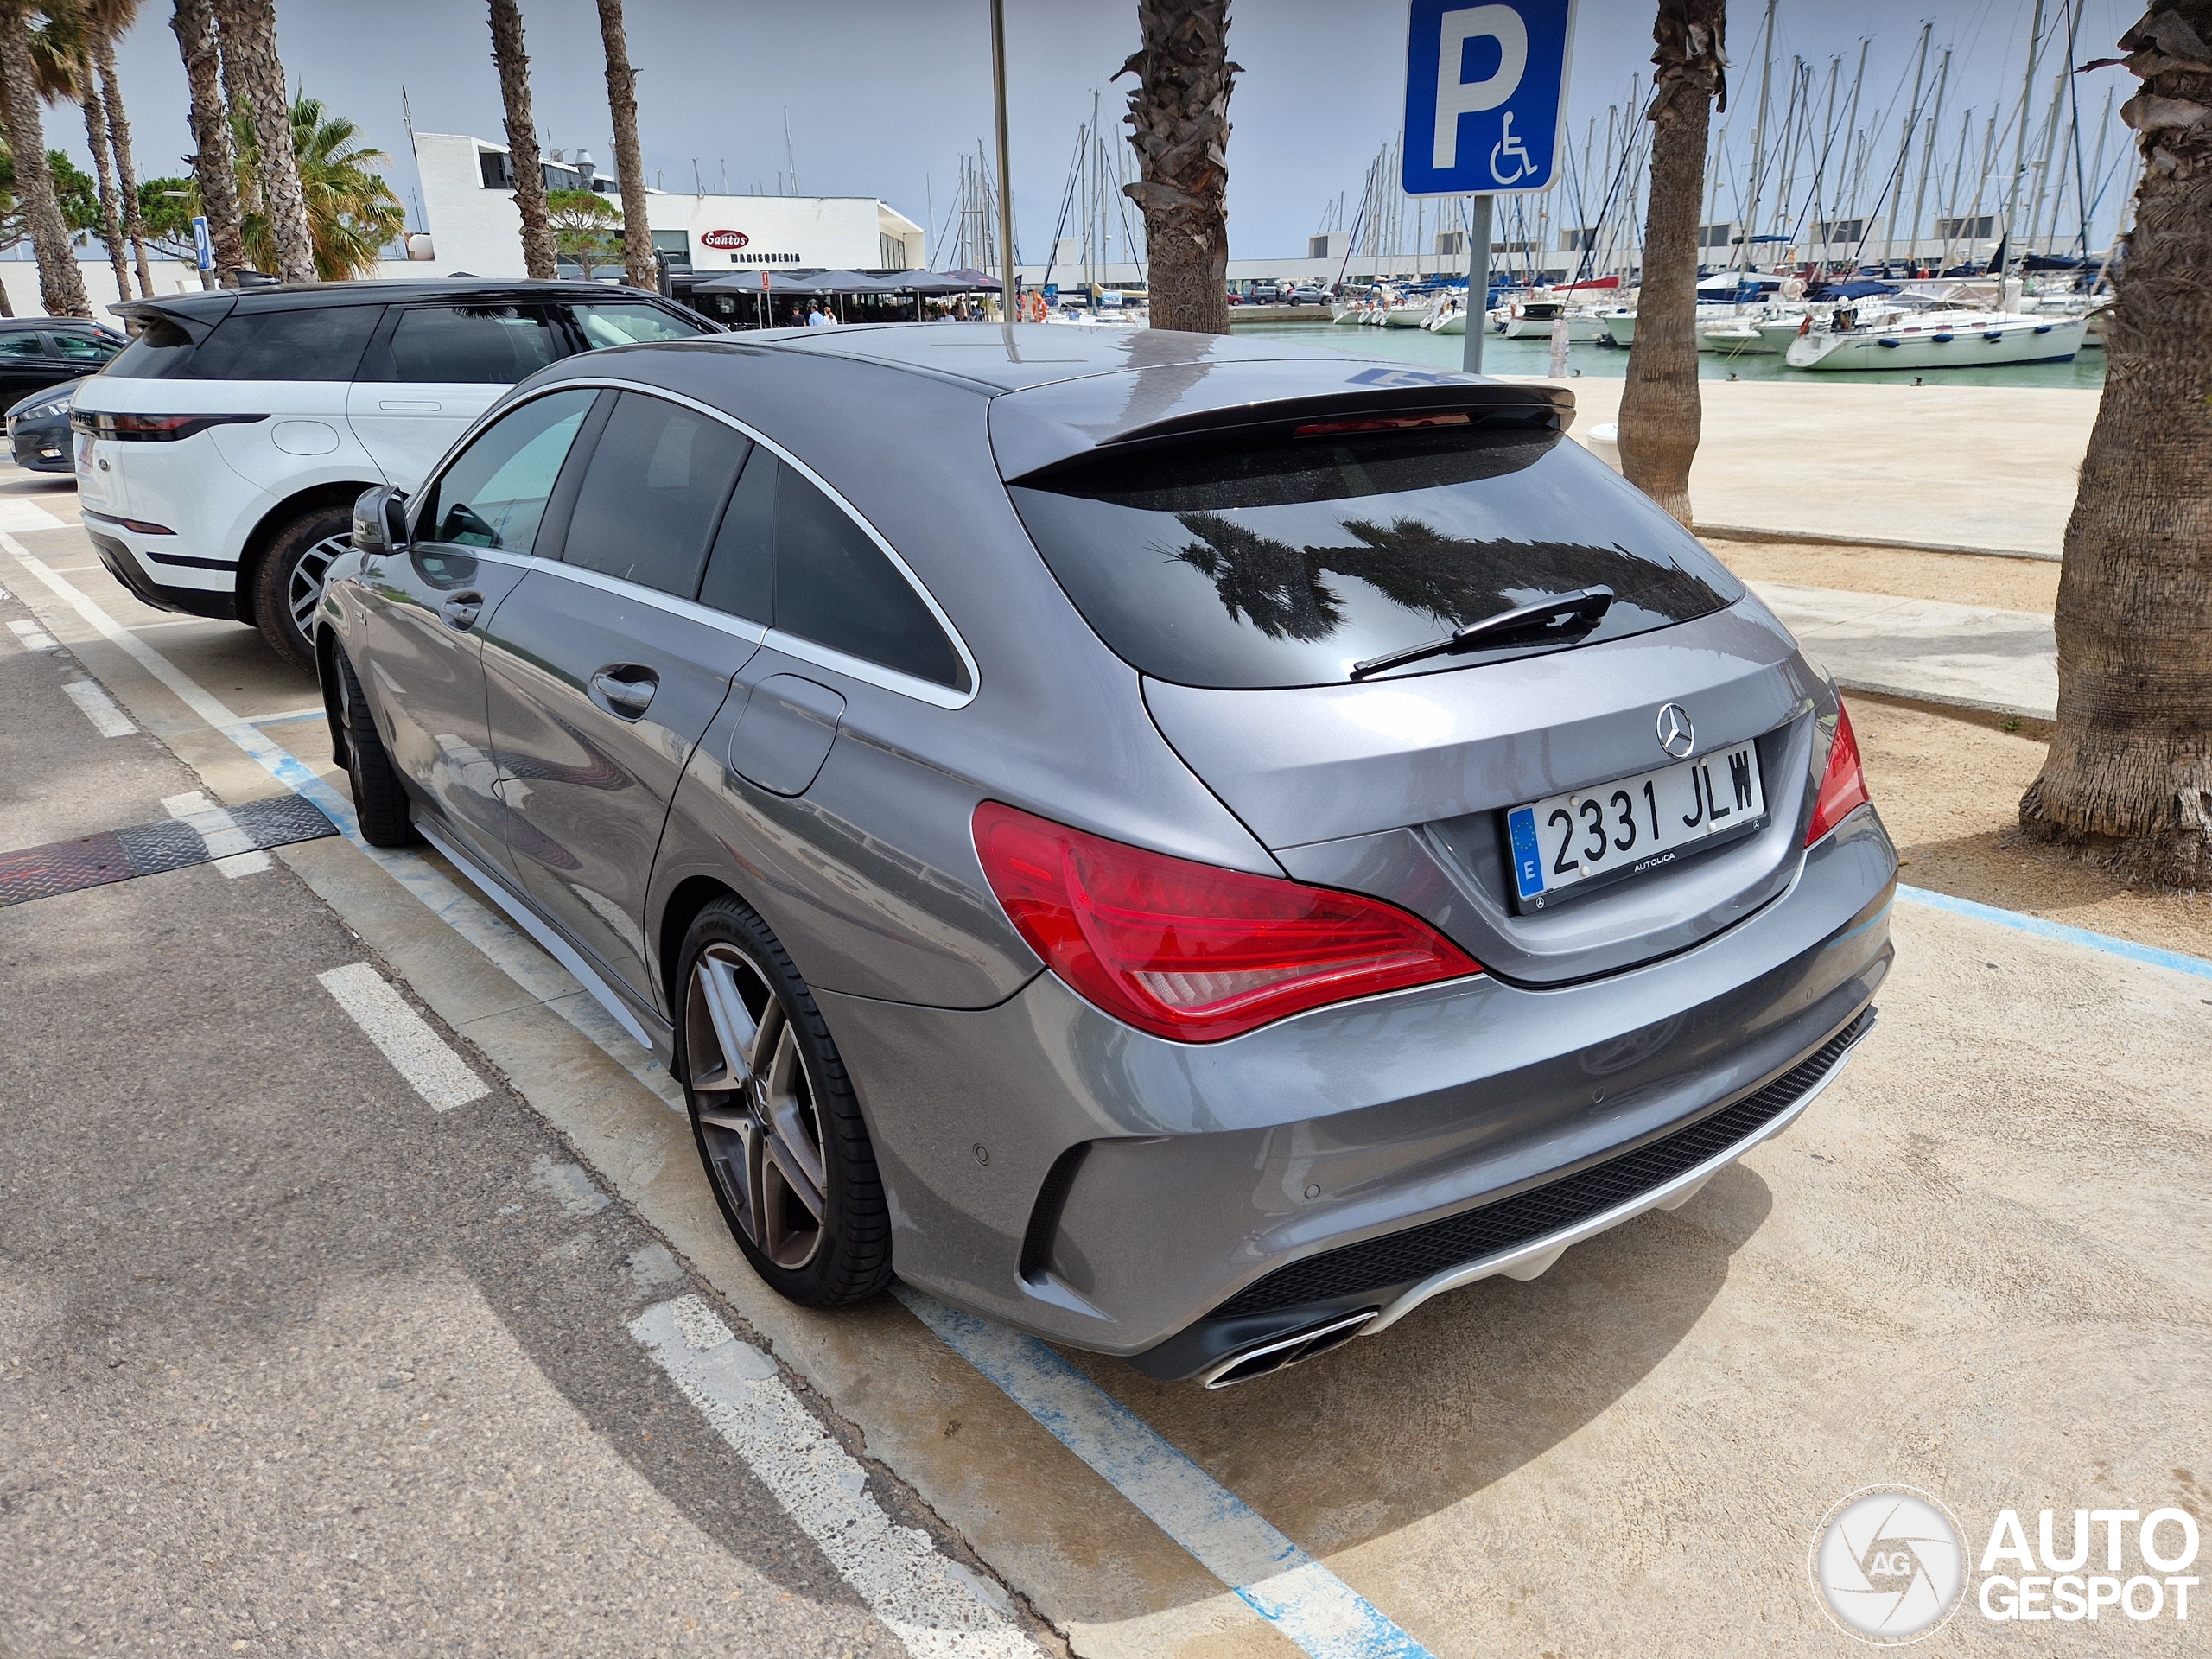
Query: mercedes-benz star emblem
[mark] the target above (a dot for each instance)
(1676, 735)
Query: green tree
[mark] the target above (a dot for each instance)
(352, 214)
(166, 210)
(585, 228)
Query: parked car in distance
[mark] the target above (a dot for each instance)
(38, 352)
(1306, 295)
(218, 458)
(38, 429)
(1189, 860)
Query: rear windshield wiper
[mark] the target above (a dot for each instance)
(1560, 621)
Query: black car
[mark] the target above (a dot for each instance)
(41, 360)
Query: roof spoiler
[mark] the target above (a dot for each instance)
(197, 318)
(1092, 417)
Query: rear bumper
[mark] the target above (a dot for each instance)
(164, 593)
(1051, 1168)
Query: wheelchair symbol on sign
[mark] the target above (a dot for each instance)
(1510, 148)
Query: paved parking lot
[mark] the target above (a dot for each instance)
(284, 1344)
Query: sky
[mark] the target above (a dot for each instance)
(883, 96)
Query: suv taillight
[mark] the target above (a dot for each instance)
(151, 428)
(1191, 952)
(1843, 787)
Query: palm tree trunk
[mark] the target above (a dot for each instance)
(1661, 414)
(2128, 780)
(126, 169)
(638, 265)
(61, 286)
(539, 258)
(1179, 117)
(213, 168)
(88, 96)
(249, 36)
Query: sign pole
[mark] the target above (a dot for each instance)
(1006, 188)
(1471, 351)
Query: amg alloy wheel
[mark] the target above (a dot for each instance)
(777, 1127)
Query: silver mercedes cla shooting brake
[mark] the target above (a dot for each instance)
(1190, 847)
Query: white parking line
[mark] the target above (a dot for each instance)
(416, 1052)
(1270, 1573)
(16, 514)
(932, 1602)
(33, 635)
(229, 848)
(107, 719)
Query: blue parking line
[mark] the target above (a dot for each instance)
(1269, 1573)
(2196, 966)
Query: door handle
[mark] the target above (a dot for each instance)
(626, 691)
(462, 610)
(395, 407)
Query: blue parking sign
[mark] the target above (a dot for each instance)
(203, 245)
(1485, 95)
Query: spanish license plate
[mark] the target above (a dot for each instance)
(1629, 826)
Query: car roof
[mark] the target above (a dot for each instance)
(1003, 357)
(92, 323)
(212, 304)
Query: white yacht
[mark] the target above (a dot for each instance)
(1937, 339)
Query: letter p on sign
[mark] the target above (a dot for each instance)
(1455, 97)
(1487, 84)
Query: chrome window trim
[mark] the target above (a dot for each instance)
(858, 668)
(691, 610)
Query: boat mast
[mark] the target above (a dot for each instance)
(1850, 140)
(2021, 139)
(1927, 155)
(1759, 134)
(2097, 172)
(1905, 146)
(1951, 198)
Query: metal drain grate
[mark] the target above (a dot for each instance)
(1403, 1258)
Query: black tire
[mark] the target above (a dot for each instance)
(767, 1125)
(286, 583)
(377, 797)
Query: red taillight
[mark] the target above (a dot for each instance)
(1843, 789)
(1190, 951)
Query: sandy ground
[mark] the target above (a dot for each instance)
(1953, 578)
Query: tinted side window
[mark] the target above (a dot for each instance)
(324, 343)
(14, 345)
(495, 344)
(626, 323)
(742, 571)
(494, 493)
(834, 586)
(654, 486)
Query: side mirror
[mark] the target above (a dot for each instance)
(380, 520)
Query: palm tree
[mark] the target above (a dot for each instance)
(2128, 780)
(643, 270)
(62, 61)
(106, 23)
(538, 253)
(351, 213)
(213, 169)
(1661, 411)
(254, 77)
(61, 286)
(583, 224)
(1179, 117)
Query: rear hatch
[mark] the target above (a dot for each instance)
(1610, 781)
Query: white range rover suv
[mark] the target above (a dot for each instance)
(219, 457)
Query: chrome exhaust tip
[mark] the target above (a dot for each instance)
(1278, 1353)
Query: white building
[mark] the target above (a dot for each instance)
(469, 199)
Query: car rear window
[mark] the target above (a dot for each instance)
(314, 343)
(1285, 561)
(628, 323)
